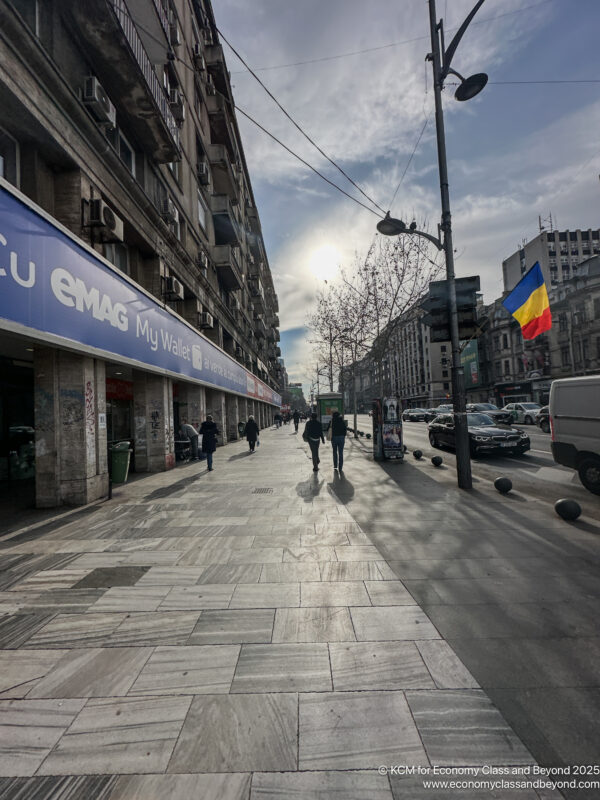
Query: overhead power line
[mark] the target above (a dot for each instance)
(298, 127)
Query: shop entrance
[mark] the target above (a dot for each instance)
(17, 435)
(119, 414)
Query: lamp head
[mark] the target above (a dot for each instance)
(389, 226)
(471, 86)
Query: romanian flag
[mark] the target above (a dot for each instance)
(528, 303)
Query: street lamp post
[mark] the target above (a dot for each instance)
(468, 88)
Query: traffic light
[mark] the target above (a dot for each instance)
(438, 316)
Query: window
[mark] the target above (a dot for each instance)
(562, 322)
(443, 348)
(507, 367)
(596, 307)
(504, 341)
(9, 158)
(496, 342)
(29, 10)
(118, 254)
(126, 153)
(446, 386)
(444, 373)
(498, 366)
(565, 359)
(202, 211)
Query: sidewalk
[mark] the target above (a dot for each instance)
(254, 633)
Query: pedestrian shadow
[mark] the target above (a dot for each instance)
(341, 487)
(310, 488)
(165, 491)
(243, 454)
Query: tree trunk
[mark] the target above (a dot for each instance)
(355, 401)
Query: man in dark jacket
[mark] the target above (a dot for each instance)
(338, 439)
(296, 418)
(313, 434)
(251, 431)
(209, 433)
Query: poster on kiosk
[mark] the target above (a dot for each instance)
(326, 405)
(387, 429)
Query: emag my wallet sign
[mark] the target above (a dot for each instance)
(51, 284)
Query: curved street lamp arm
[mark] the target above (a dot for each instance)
(449, 53)
(433, 239)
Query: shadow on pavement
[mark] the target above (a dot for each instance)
(174, 487)
(341, 487)
(239, 455)
(310, 488)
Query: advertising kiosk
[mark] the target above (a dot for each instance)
(387, 429)
(327, 403)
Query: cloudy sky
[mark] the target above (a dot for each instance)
(526, 147)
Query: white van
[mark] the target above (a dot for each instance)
(575, 427)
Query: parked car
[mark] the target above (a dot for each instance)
(484, 435)
(500, 416)
(575, 427)
(523, 412)
(414, 415)
(431, 413)
(542, 419)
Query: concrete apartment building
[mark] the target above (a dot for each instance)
(136, 290)
(559, 254)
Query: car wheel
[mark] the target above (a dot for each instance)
(527, 420)
(433, 441)
(589, 474)
(545, 426)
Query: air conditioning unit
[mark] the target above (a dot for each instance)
(205, 320)
(173, 288)
(203, 173)
(202, 262)
(102, 216)
(98, 102)
(177, 105)
(198, 57)
(174, 32)
(210, 86)
(168, 210)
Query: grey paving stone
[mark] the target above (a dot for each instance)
(127, 735)
(388, 593)
(282, 668)
(71, 787)
(187, 670)
(257, 555)
(391, 623)
(234, 626)
(355, 785)
(234, 573)
(93, 673)
(265, 595)
(350, 571)
(188, 598)
(313, 625)
(29, 729)
(464, 728)
(357, 730)
(363, 552)
(154, 628)
(131, 598)
(20, 670)
(17, 629)
(290, 572)
(179, 787)
(334, 593)
(76, 630)
(173, 576)
(238, 733)
(378, 665)
(309, 554)
(446, 669)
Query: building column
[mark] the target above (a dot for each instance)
(243, 409)
(232, 417)
(153, 422)
(215, 405)
(70, 428)
(192, 403)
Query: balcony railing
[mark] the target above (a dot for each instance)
(145, 65)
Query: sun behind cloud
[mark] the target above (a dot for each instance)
(324, 262)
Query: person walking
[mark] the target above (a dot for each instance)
(338, 439)
(192, 434)
(209, 433)
(313, 434)
(296, 418)
(252, 433)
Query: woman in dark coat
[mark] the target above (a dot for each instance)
(209, 432)
(251, 431)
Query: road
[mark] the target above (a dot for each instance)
(535, 472)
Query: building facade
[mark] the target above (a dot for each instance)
(136, 286)
(559, 254)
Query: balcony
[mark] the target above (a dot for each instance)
(260, 329)
(219, 115)
(227, 264)
(227, 229)
(114, 47)
(224, 178)
(153, 18)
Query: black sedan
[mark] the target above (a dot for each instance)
(414, 415)
(484, 436)
(497, 414)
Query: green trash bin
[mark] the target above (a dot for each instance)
(120, 453)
